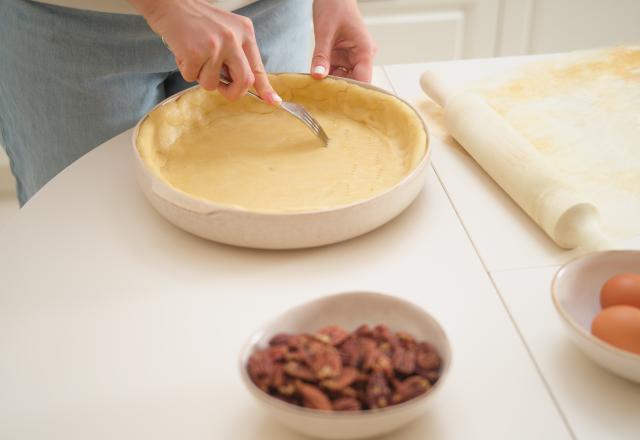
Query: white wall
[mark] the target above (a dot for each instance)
(562, 25)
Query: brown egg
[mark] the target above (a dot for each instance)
(622, 289)
(619, 326)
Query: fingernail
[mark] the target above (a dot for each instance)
(319, 70)
(276, 98)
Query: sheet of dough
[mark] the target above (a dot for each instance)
(256, 157)
(581, 111)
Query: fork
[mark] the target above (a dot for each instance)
(294, 109)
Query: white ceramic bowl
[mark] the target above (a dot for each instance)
(575, 291)
(350, 310)
(245, 228)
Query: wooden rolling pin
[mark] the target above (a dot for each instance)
(524, 174)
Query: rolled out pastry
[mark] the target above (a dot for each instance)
(566, 216)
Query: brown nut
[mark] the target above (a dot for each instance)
(261, 368)
(364, 331)
(386, 348)
(279, 339)
(294, 356)
(335, 334)
(296, 342)
(404, 361)
(278, 377)
(343, 380)
(346, 404)
(410, 388)
(426, 357)
(299, 371)
(324, 360)
(375, 360)
(351, 352)
(278, 352)
(406, 340)
(313, 397)
(348, 392)
(382, 333)
(378, 391)
(431, 375)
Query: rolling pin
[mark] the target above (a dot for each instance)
(570, 219)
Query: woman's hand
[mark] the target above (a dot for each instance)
(205, 40)
(344, 46)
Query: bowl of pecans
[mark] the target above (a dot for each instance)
(351, 365)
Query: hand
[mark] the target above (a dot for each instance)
(344, 46)
(205, 40)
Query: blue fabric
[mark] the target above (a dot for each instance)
(72, 79)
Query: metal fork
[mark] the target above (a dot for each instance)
(294, 109)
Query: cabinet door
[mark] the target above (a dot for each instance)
(409, 31)
(543, 26)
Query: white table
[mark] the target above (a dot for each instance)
(115, 324)
(521, 261)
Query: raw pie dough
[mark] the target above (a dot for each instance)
(582, 113)
(260, 158)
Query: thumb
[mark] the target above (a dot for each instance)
(321, 60)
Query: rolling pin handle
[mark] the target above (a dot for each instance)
(436, 88)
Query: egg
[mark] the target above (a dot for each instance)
(619, 326)
(622, 289)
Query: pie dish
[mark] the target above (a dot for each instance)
(249, 174)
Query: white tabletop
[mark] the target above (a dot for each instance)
(116, 324)
(521, 261)
(597, 404)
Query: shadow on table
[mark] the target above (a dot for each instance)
(425, 427)
(165, 246)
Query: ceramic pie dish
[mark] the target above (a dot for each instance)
(246, 174)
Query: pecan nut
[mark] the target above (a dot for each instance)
(260, 369)
(410, 388)
(351, 352)
(324, 360)
(299, 371)
(378, 391)
(335, 334)
(343, 380)
(375, 360)
(279, 339)
(346, 404)
(313, 397)
(427, 358)
(404, 361)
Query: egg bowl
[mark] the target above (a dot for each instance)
(575, 292)
(349, 310)
(378, 176)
